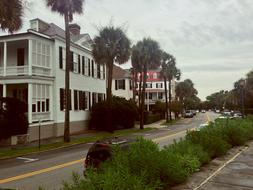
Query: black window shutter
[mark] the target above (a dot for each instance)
(124, 84)
(75, 100)
(83, 65)
(92, 68)
(89, 67)
(89, 101)
(70, 101)
(79, 64)
(116, 85)
(60, 58)
(61, 99)
(72, 61)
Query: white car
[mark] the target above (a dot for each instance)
(201, 126)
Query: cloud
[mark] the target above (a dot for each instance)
(209, 38)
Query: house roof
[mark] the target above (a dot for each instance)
(119, 73)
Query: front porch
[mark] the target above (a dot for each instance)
(38, 98)
(25, 57)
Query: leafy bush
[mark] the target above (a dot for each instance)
(13, 120)
(123, 112)
(151, 118)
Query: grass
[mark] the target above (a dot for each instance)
(170, 122)
(21, 151)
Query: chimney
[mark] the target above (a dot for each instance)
(74, 29)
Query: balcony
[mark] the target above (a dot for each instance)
(24, 70)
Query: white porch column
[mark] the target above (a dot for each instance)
(30, 94)
(30, 57)
(51, 109)
(5, 58)
(4, 90)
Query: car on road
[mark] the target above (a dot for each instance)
(203, 111)
(101, 151)
(194, 112)
(188, 114)
(237, 114)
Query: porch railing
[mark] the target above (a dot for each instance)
(23, 70)
(41, 116)
(16, 70)
(42, 71)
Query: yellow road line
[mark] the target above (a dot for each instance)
(22, 176)
(165, 137)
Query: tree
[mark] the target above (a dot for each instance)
(11, 12)
(169, 72)
(111, 45)
(66, 8)
(148, 56)
(185, 91)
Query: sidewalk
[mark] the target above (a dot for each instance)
(237, 175)
(233, 171)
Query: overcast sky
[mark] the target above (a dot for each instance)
(212, 40)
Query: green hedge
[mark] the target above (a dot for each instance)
(145, 166)
(121, 114)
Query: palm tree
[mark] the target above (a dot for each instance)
(149, 54)
(137, 69)
(111, 45)
(169, 72)
(66, 8)
(11, 15)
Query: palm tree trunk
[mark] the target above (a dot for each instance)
(109, 126)
(109, 87)
(140, 86)
(170, 99)
(166, 99)
(143, 96)
(67, 94)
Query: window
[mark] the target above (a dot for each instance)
(94, 98)
(62, 99)
(41, 53)
(148, 85)
(75, 64)
(155, 75)
(100, 97)
(159, 85)
(120, 84)
(75, 100)
(98, 71)
(60, 58)
(160, 95)
(150, 96)
(40, 98)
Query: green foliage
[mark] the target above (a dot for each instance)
(124, 113)
(151, 118)
(13, 120)
(144, 166)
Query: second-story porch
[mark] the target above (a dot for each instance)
(25, 57)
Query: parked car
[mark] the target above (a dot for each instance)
(188, 114)
(194, 112)
(237, 114)
(203, 111)
(101, 151)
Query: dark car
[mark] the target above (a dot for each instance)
(101, 151)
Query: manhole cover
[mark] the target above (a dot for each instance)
(238, 166)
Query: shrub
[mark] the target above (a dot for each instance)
(123, 112)
(13, 120)
(151, 118)
(211, 140)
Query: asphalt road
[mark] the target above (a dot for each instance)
(50, 169)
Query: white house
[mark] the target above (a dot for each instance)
(122, 83)
(155, 89)
(32, 69)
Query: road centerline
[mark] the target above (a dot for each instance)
(22, 176)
